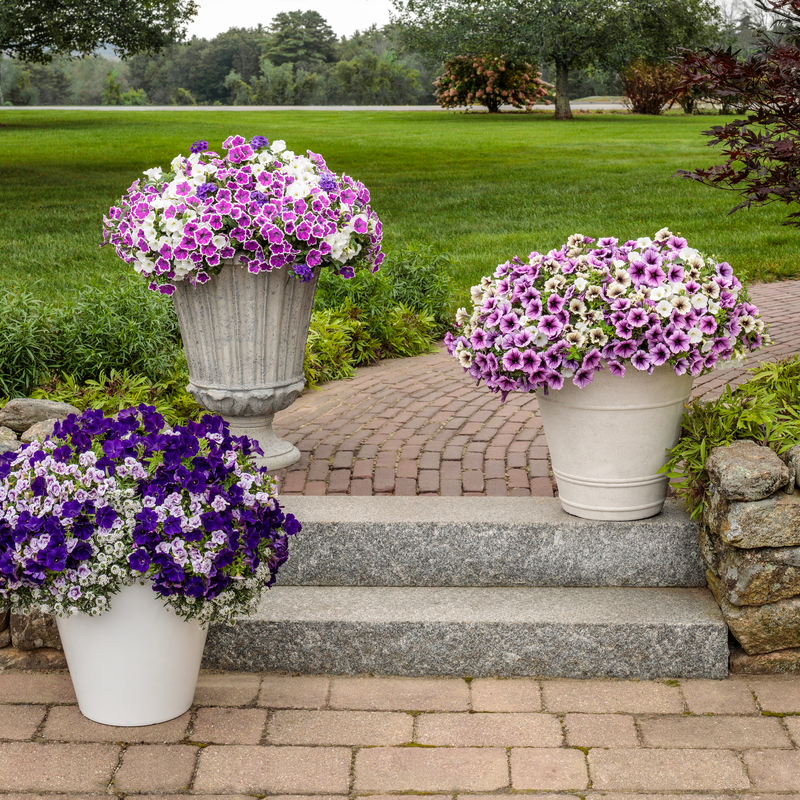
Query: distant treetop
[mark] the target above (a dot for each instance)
(38, 30)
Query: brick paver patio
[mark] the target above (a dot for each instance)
(251, 734)
(421, 426)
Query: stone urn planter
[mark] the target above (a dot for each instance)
(245, 337)
(239, 241)
(613, 474)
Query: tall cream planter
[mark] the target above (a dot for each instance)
(245, 338)
(608, 440)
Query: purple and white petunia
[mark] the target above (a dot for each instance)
(573, 311)
(106, 502)
(272, 207)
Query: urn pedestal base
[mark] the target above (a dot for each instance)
(245, 339)
(278, 453)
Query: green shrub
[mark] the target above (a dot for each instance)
(489, 81)
(123, 389)
(420, 277)
(116, 326)
(329, 351)
(26, 342)
(766, 410)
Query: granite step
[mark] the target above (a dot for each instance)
(643, 633)
(484, 541)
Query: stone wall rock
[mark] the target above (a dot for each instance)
(792, 460)
(34, 630)
(22, 412)
(39, 431)
(760, 629)
(754, 576)
(771, 522)
(751, 546)
(782, 662)
(746, 471)
(8, 440)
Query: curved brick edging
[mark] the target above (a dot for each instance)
(420, 426)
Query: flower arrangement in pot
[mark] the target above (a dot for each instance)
(572, 322)
(238, 241)
(137, 536)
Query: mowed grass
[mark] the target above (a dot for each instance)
(482, 187)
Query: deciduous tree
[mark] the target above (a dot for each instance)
(569, 34)
(761, 151)
(38, 30)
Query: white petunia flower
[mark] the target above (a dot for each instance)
(664, 308)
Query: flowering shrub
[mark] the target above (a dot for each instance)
(576, 310)
(111, 501)
(490, 81)
(648, 87)
(274, 207)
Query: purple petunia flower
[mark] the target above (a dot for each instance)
(512, 360)
(616, 368)
(625, 349)
(199, 146)
(707, 325)
(641, 360)
(550, 326)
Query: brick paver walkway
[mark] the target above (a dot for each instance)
(346, 737)
(421, 426)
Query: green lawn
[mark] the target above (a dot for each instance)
(482, 187)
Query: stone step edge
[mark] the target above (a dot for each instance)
(484, 541)
(558, 632)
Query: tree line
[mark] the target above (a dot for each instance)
(581, 46)
(296, 60)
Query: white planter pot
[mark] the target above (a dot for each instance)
(245, 340)
(137, 664)
(608, 441)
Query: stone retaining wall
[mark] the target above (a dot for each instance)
(750, 539)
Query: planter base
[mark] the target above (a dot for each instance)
(615, 494)
(278, 453)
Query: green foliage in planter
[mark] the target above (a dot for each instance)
(123, 389)
(765, 409)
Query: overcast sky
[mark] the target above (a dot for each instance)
(344, 16)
